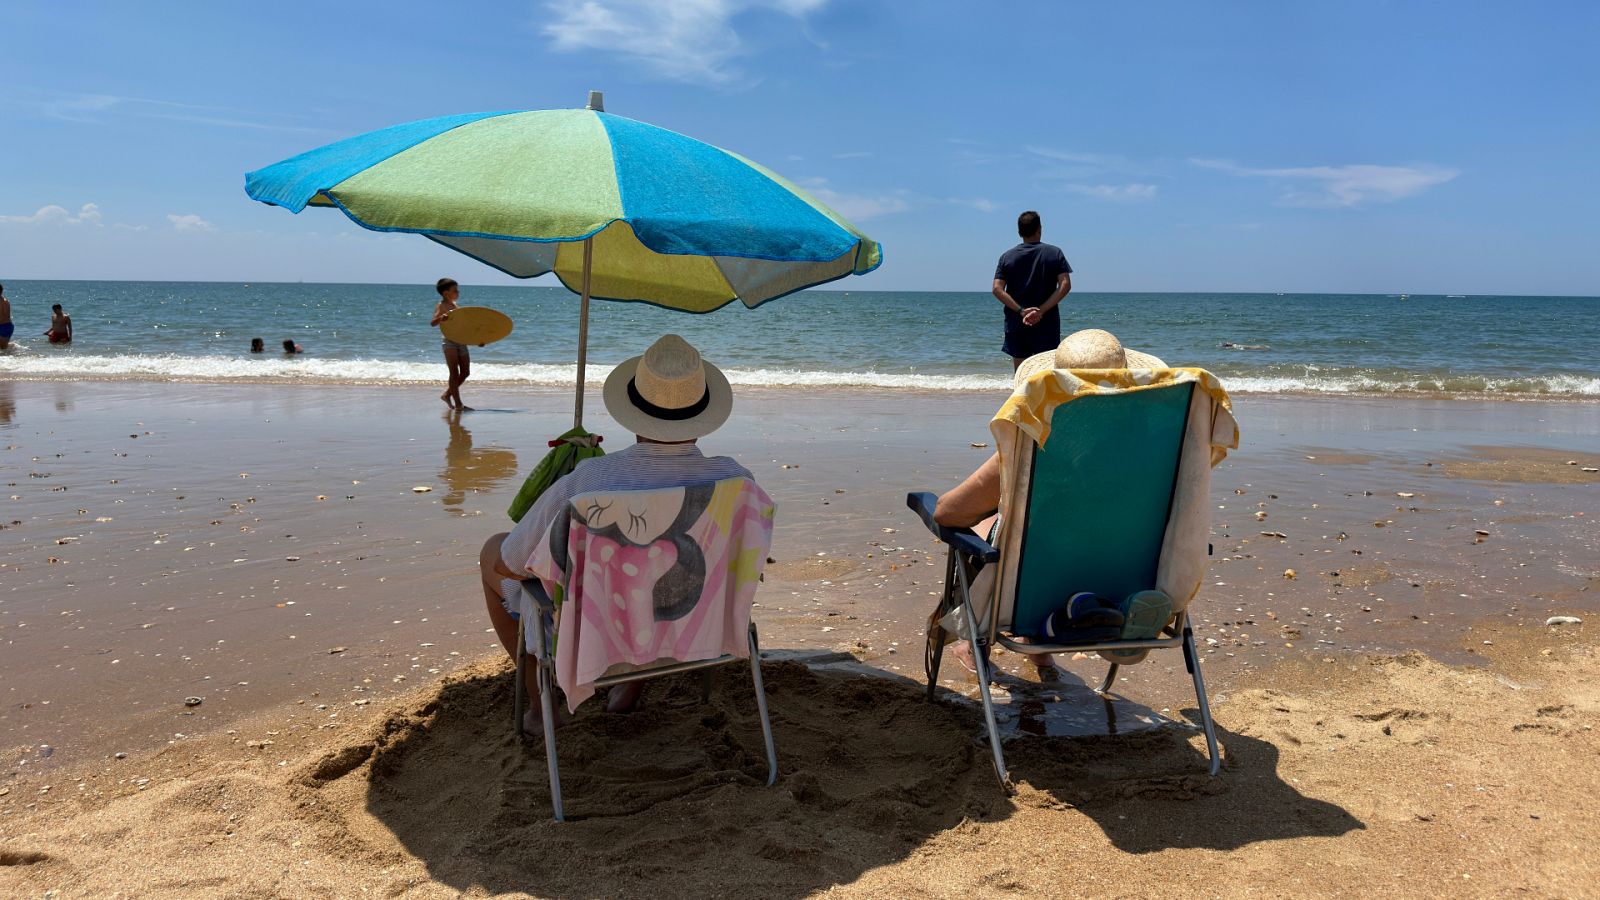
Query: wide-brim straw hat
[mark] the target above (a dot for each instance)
(1091, 348)
(668, 393)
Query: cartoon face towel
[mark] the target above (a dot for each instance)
(643, 577)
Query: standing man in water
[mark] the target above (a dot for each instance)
(1030, 281)
(6, 326)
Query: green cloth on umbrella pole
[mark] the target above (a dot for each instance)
(567, 451)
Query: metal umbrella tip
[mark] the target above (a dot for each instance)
(597, 101)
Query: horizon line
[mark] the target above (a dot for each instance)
(560, 287)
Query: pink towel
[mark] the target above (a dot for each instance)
(644, 576)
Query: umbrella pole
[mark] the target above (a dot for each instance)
(583, 331)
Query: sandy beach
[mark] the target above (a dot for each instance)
(1396, 714)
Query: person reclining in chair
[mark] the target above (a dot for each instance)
(975, 502)
(669, 397)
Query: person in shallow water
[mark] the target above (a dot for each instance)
(257, 345)
(7, 328)
(457, 359)
(289, 346)
(60, 326)
(1030, 281)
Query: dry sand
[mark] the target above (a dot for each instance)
(218, 541)
(1395, 775)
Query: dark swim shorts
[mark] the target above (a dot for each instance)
(8, 329)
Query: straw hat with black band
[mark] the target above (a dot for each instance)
(669, 393)
(1091, 348)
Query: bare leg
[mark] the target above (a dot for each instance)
(1016, 361)
(464, 370)
(624, 697)
(963, 651)
(452, 391)
(505, 627)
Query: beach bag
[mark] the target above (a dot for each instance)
(567, 451)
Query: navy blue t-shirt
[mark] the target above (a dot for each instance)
(1030, 273)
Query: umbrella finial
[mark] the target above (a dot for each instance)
(597, 101)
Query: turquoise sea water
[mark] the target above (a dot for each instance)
(1527, 346)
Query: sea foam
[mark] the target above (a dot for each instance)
(302, 369)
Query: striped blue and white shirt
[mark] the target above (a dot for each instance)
(641, 467)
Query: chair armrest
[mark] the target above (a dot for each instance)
(963, 539)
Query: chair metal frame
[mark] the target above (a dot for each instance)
(969, 551)
(545, 677)
(1178, 635)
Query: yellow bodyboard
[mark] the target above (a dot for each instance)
(476, 325)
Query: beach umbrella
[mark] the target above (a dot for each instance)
(616, 208)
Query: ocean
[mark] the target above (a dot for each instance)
(374, 334)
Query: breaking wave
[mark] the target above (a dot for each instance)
(378, 371)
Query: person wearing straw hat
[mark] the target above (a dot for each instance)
(975, 502)
(669, 397)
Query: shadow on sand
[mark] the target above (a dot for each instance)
(672, 796)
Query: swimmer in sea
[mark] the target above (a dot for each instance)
(289, 346)
(60, 326)
(257, 345)
(7, 328)
(457, 359)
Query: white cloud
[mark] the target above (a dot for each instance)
(1088, 159)
(1120, 192)
(92, 109)
(854, 154)
(981, 204)
(89, 214)
(189, 222)
(855, 207)
(684, 40)
(1341, 186)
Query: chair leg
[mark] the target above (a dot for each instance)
(761, 705)
(547, 705)
(1192, 658)
(1111, 676)
(518, 692)
(982, 666)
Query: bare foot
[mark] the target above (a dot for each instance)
(533, 722)
(624, 697)
(463, 407)
(446, 398)
(962, 651)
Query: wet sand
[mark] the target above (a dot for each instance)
(261, 548)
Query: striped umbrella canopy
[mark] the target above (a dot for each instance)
(616, 208)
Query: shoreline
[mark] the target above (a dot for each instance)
(849, 389)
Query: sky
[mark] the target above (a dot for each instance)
(1361, 147)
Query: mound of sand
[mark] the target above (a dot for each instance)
(1398, 775)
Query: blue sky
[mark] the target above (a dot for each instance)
(1351, 146)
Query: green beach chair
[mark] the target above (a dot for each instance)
(1090, 510)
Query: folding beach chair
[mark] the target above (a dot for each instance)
(1111, 498)
(636, 596)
